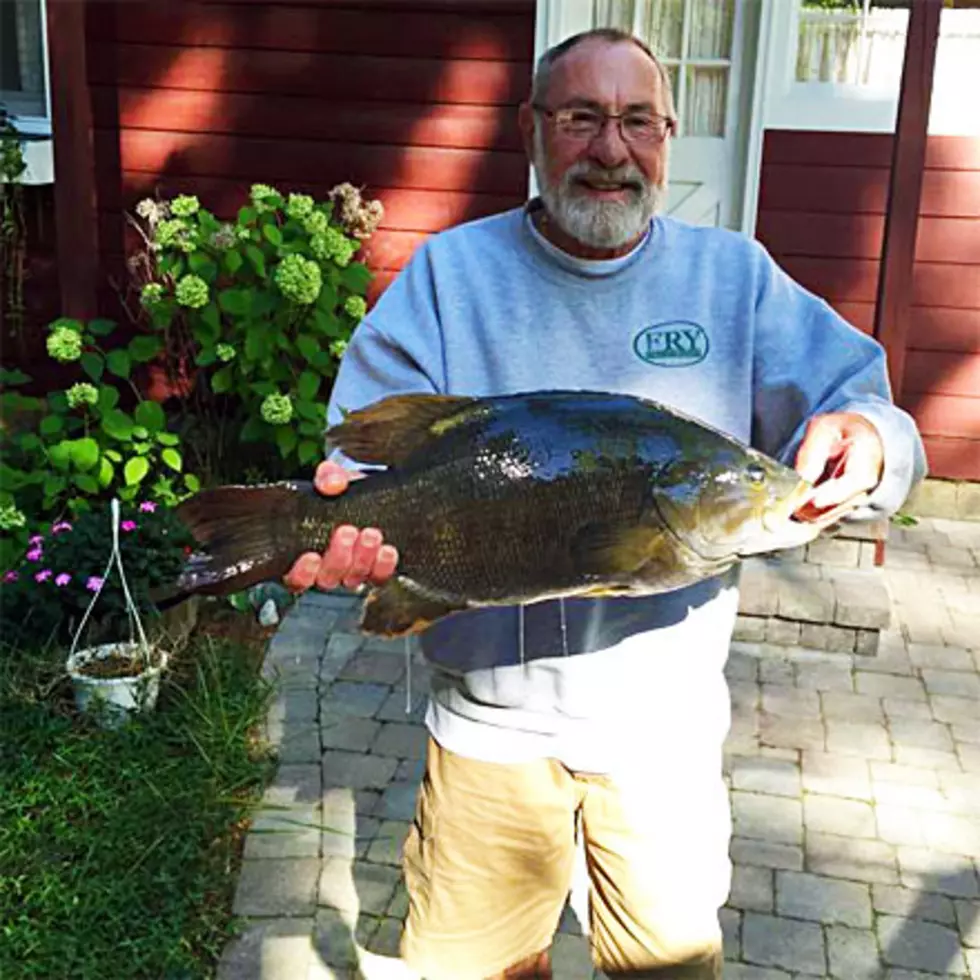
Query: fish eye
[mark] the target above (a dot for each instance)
(756, 474)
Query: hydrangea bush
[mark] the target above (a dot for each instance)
(44, 595)
(262, 307)
(95, 438)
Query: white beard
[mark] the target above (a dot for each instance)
(598, 224)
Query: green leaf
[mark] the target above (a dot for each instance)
(246, 215)
(309, 451)
(140, 432)
(264, 388)
(207, 356)
(327, 298)
(202, 265)
(314, 411)
(117, 361)
(84, 453)
(86, 482)
(30, 442)
(286, 440)
(92, 365)
(315, 429)
(327, 323)
(232, 260)
(113, 454)
(356, 277)
(173, 459)
(106, 472)
(234, 301)
(144, 348)
(192, 482)
(101, 327)
(108, 397)
(118, 424)
(272, 234)
(168, 439)
(255, 429)
(308, 385)
(257, 342)
(13, 376)
(51, 424)
(308, 346)
(59, 454)
(134, 470)
(221, 380)
(151, 415)
(254, 254)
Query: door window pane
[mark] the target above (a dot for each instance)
(664, 28)
(852, 42)
(711, 29)
(705, 102)
(21, 58)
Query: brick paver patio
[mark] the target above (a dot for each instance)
(855, 788)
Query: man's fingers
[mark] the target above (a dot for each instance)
(363, 557)
(302, 575)
(384, 564)
(338, 558)
(820, 443)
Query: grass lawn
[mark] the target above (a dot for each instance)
(118, 849)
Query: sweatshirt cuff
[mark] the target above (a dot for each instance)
(904, 459)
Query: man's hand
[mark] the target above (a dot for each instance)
(353, 557)
(843, 456)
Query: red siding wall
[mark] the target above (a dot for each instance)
(414, 100)
(822, 207)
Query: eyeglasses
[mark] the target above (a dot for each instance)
(586, 124)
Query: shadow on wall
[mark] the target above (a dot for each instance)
(417, 105)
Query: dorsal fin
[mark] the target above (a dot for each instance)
(391, 430)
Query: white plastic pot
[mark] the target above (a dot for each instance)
(117, 697)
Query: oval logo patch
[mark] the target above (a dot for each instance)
(676, 344)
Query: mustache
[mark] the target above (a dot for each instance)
(628, 175)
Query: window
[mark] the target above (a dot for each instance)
(852, 42)
(23, 88)
(693, 39)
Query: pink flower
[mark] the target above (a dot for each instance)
(11, 576)
(148, 507)
(128, 525)
(43, 576)
(94, 583)
(63, 579)
(37, 539)
(34, 554)
(61, 526)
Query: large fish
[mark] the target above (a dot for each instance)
(512, 499)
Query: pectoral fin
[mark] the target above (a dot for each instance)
(609, 551)
(396, 609)
(390, 431)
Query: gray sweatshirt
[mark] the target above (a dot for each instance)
(699, 318)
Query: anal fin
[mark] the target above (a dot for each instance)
(396, 609)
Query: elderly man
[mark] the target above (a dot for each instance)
(592, 720)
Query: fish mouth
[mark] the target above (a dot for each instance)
(775, 518)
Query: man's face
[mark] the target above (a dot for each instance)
(600, 191)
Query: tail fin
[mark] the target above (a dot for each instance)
(246, 535)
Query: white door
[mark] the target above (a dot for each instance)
(703, 45)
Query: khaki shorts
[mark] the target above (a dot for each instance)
(490, 856)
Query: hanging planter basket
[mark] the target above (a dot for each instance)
(115, 680)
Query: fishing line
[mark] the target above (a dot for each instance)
(408, 675)
(520, 632)
(564, 627)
